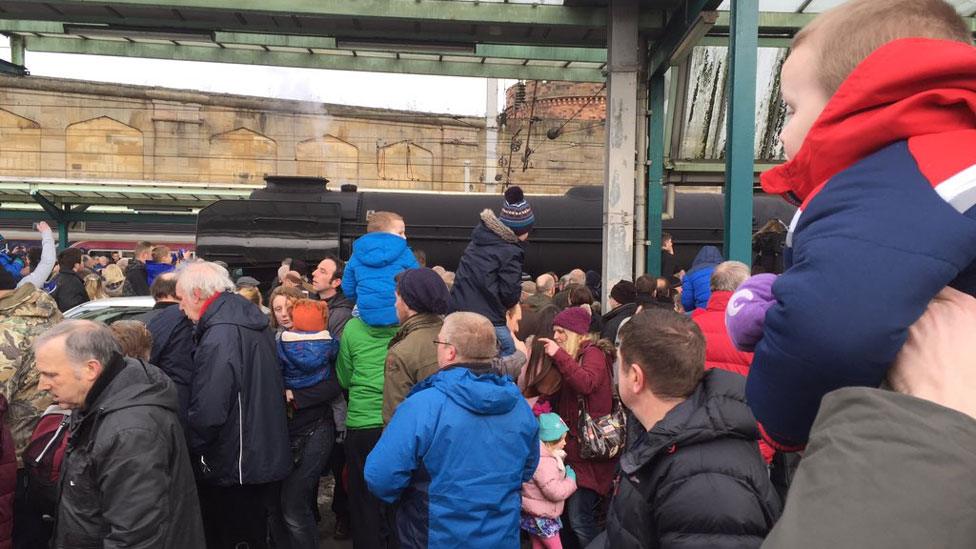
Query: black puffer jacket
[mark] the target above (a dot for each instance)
(69, 291)
(126, 479)
(613, 319)
(239, 431)
(172, 350)
(136, 279)
(340, 311)
(696, 479)
(489, 277)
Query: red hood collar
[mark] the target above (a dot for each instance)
(908, 87)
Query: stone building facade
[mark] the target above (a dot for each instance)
(64, 129)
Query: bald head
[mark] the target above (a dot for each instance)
(728, 276)
(545, 284)
(466, 338)
(577, 276)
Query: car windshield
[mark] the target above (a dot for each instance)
(108, 315)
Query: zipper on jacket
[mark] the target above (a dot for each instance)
(61, 426)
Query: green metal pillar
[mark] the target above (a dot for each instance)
(17, 47)
(655, 172)
(62, 234)
(741, 129)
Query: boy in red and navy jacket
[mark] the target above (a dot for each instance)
(881, 150)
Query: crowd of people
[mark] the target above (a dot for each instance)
(708, 407)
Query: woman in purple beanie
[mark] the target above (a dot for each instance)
(585, 366)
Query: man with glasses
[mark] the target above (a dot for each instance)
(459, 447)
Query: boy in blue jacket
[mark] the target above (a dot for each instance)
(370, 275)
(881, 149)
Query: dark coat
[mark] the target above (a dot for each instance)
(853, 489)
(136, 279)
(587, 375)
(340, 311)
(126, 479)
(69, 291)
(239, 431)
(613, 319)
(172, 351)
(8, 478)
(696, 479)
(488, 280)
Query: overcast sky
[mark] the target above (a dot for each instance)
(445, 94)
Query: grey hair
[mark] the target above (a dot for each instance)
(728, 276)
(471, 334)
(577, 276)
(207, 277)
(84, 340)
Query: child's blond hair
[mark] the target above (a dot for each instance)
(848, 34)
(382, 221)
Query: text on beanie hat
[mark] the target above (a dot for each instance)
(423, 290)
(574, 319)
(516, 213)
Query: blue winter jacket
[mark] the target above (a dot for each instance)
(154, 269)
(696, 287)
(307, 358)
(370, 276)
(455, 455)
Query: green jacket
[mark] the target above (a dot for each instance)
(24, 314)
(362, 358)
(412, 359)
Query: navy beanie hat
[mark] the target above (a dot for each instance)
(423, 290)
(516, 213)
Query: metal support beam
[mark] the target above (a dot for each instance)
(741, 130)
(684, 30)
(318, 60)
(655, 172)
(17, 50)
(621, 148)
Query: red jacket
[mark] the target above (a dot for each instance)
(589, 375)
(719, 350)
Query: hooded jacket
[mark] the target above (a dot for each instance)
(412, 358)
(696, 287)
(370, 275)
(24, 314)
(69, 291)
(546, 494)
(455, 456)
(239, 432)
(360, 366)
(887, 181)
(696, 478)
(136, 279)
(307, 358)
(126, 479)
(856, 459)
(488, 280)
(172, 351)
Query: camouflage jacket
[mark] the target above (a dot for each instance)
(24, 314)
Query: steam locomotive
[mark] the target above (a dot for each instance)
(299, 217)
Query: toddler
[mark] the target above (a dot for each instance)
(370, 275)
(543, 497)
(307, 351)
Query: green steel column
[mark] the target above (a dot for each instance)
(655, 172)
(17, 49)
(741, 129)
(62, 234)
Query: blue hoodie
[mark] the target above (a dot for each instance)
(154, 269)
(307, 358)
(696, 287)
(370, 276)
(455, 455)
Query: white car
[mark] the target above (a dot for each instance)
(111, 309)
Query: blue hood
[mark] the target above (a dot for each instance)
(378, 249)
(485, 394)
(310, 354)
(708, 256)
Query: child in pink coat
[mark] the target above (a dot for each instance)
(551, 485)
